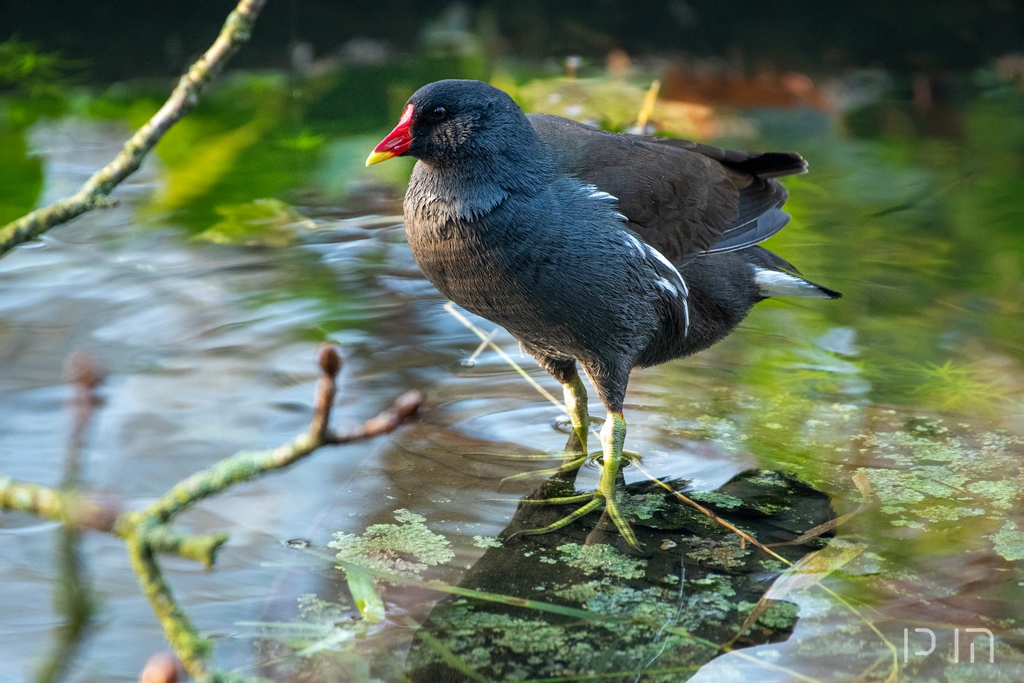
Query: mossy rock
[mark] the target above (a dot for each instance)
(675, 604)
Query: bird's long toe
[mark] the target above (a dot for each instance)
(561, 500)
(621, 523)
(596, 501)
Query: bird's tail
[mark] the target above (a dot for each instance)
(773, 282)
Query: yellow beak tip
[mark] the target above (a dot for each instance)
(377, 157)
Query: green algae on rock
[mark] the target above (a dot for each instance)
(1009, 542)
(602, 559)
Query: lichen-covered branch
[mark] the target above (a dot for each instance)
(167, 540)
(151, 532)
(60, 506)
(93, 194)
(190, 647)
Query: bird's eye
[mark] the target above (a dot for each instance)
(439, 114)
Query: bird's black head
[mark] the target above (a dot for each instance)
(454, 122)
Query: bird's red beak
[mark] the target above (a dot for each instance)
(397, 141)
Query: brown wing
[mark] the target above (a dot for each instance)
(682, 197)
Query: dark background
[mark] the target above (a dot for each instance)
(118, 40)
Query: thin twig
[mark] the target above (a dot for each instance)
(744, 536)
(450, 307)
(86, 376)
(404, 407)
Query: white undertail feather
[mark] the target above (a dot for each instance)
(686, 318)
(777, 283)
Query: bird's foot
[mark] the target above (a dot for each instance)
(614, 513)
(593, 501)
(604, 497)
(611, 458)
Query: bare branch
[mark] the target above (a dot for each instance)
(86, 375)
(404, 407)
(326, 390)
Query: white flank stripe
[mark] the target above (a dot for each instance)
(668, 286)
(668, 264)
(636, 245)
(594, 193)
(602, 196)
(678, 289)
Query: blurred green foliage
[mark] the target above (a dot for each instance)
(21, 176)
(27, 70)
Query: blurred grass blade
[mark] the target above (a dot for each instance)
(364, 592)
(807, 572)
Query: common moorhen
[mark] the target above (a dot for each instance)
(614, 251)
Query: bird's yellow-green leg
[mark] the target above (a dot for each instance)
(613, 436)
(576, 403)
